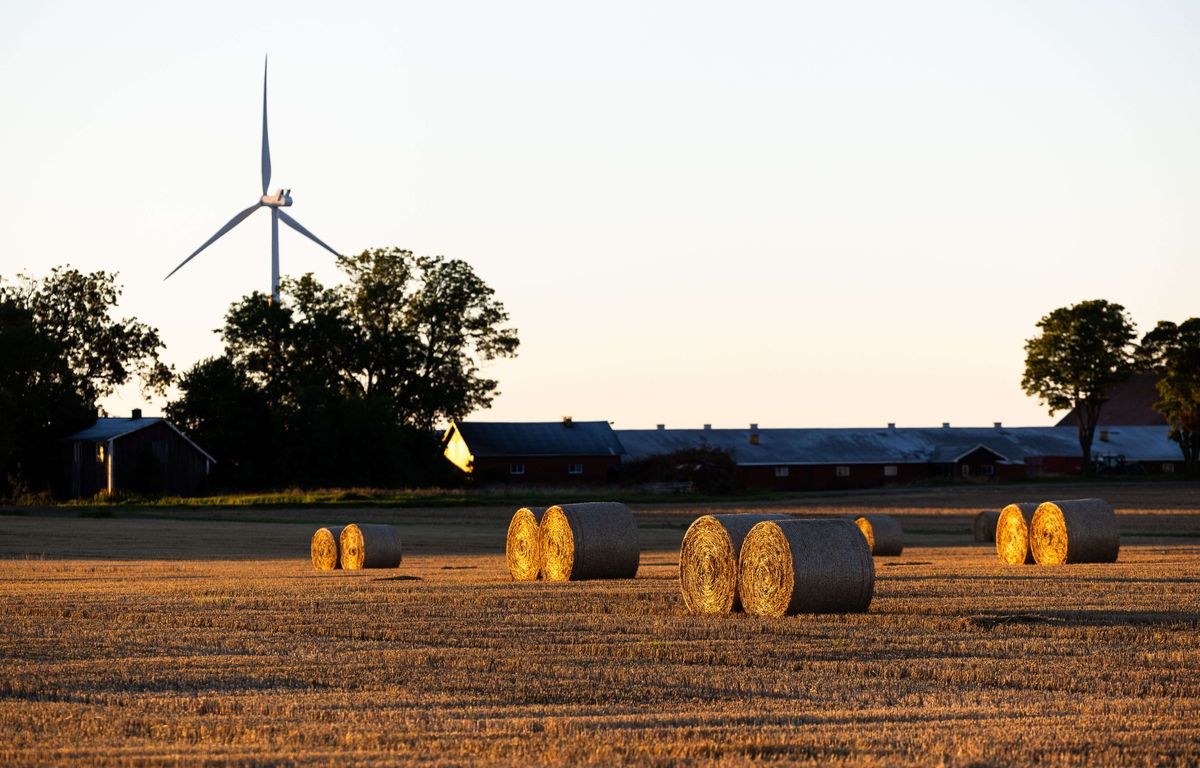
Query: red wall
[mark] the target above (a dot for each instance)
(548, 469)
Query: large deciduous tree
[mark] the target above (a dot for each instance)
(355, 375)
(1082, 352)
(1173, 352)
(61, 350)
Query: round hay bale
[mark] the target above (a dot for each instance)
(708, 561)
(1012, 533)
(985, 525)
(523, 546)
(1077, 531)
(324, 548)
(597, 540)
(370, 546)
(884, 535)
(805, 566)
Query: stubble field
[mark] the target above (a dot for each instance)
(177, 640)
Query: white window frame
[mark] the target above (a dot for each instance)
(842, 471)
(575, 469)
(890, 470)
(966, 470)
(516, 468)
(987, 470)
(782, 472)
(1168, 468)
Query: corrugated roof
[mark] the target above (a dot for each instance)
(109, 428)
(552, 438)
(899, 445)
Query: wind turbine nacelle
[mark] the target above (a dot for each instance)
(281, 199)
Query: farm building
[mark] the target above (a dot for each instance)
(535, 452)
(804, 459)
(1130, 404)
(138, 454)
(800, 459)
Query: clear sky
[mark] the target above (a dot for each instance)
(791, 213)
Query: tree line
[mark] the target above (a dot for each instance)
(1086, 350)
(331, 386)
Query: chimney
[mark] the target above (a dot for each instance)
(660, 427)
(945, 425)
(996, 424)
(137, 413)
(753, 434)
(891, 426)
(1104, 435)
(568, 422)
(707, 427)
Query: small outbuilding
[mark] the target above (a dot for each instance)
(138, 455)
(535, 452)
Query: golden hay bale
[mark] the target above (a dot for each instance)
(597, 540)
(883, 534)
(708, 561)
(985, 525)
(1012, 533)
(324, 548)
(1077, 531)
(370, 546)
(523, 546)
(805, 566)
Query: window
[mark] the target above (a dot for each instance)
(574, 469)
(987, 470)
(781, 471)
(889, 470)
(843, 471)
(966, 469)
(1168, 467)
(100, 453)
(516, 468)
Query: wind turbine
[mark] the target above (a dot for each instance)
(277, 202)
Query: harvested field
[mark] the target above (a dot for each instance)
(127, 641)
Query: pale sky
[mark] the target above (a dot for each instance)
(792, 213)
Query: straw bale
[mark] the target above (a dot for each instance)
(1076, 531)
(523, 545)
(883, 533)
(985, 525)
(324, 548)
(805, 566)
(708, 561)
(597, 540)
(1012, 533)
(370, 546)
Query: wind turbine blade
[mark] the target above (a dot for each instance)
(266, 149)
(296, 226)
(232, 223)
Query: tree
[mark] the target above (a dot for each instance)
(355, 375)
(60, 351)
(1082, 352)
(1173, 352)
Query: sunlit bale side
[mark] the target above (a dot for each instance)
(708, 561)
(1076, 531)
(324, 548)
(597, 540)
(883, 533)
(985, 525)
(523, 545)
(805, 566)
(370, 546)
(1012, 534)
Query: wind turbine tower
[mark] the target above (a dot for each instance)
(277, 202)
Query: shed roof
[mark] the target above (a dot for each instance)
(550, 438)
(109, 428)
(898, 445)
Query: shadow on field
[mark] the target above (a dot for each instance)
(398, 578)
(1177, 619)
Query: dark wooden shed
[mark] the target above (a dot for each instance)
(136, 455)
